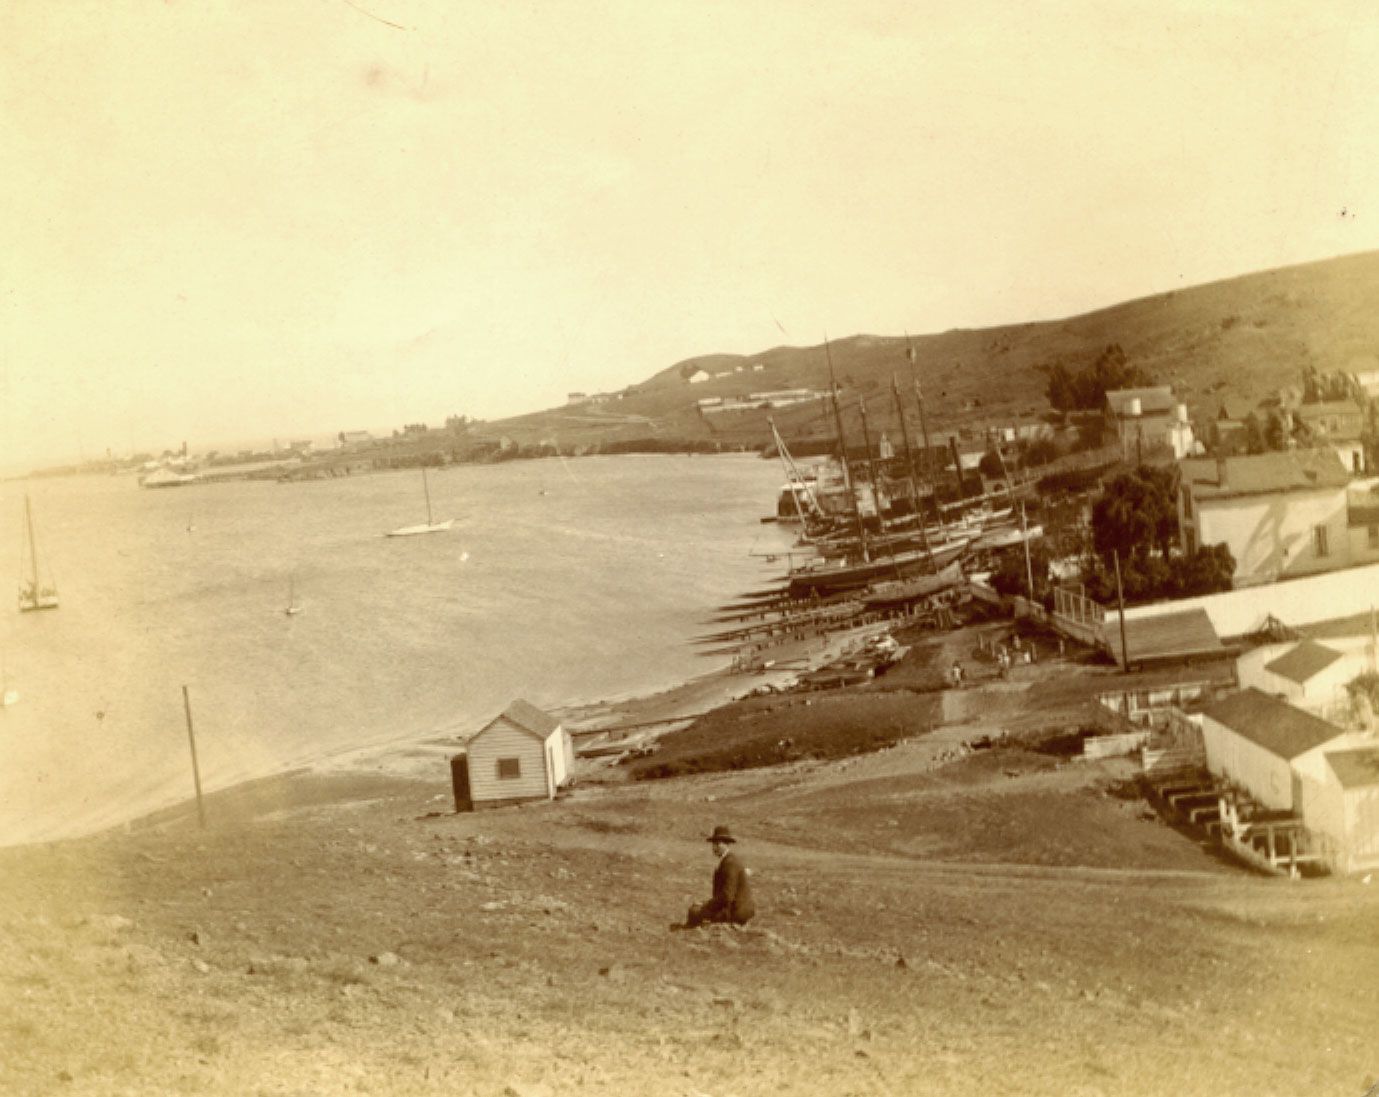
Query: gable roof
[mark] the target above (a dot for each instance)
(527, 717)
(1299, 664)
(1153, 401)
(1264, 473)
(1275, 725)
(1355, 768)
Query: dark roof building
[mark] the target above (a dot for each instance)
(1303, 662)
(1263, 473)
(1275, 725)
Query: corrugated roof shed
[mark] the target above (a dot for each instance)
(1355, 768)
(1166, 636)
(1264, 473)
(1275, 725)
(1299, 664)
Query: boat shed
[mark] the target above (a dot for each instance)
(521, 754)
(1267, 746)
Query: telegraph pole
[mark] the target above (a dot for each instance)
(1120, 599)
(196, 770)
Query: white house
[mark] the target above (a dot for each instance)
(521, 754)
(1149, 419)
(699, 376)
(1268, 747)
(1280, 514)
(1362, 521)
(1308, 675)
(1343, 804)
(1339, 425)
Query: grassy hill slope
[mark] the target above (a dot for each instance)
(1242, 337)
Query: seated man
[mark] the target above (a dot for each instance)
(732, 894)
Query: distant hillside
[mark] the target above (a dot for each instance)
(1244, 337)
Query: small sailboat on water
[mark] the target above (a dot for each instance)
(35, 592)
(431, 526)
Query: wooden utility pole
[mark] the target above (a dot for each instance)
(1120, 599)
(1029, 568)
(196, 770)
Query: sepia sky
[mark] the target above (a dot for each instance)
(225, 222)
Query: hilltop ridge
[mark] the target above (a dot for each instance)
(1243, 337)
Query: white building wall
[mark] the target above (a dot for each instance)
(1325, 596)
(1362, 828)
(1272, 535)
(1266, 777)
(503, 739)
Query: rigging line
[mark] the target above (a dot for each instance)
(378, 18)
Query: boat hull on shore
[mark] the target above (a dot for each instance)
(828, 580)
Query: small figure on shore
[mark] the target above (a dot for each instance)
(732, 894)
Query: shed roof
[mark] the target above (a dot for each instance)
(1275, 725)
(1264, 473)
(1178, 635)
(527, 717)
(1158, 400)
(1300, 663)
(1355, 768)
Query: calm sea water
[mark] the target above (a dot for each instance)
(562, 581)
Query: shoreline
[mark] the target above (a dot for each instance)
(615, 722)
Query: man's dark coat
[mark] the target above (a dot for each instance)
(732, 894)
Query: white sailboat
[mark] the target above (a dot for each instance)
(431, 526)
(34, 593)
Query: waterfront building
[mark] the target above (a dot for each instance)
(521, 754)
(1281, 514)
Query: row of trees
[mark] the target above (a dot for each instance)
(1134, 523)
(1087, 388)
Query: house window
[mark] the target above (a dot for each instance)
(1374, 537)
(1187, 503)
(509, 767)
(1319, 540)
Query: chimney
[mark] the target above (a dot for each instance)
(1220, 471)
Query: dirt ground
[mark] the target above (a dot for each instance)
(934, 918)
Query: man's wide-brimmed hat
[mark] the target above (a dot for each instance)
(721, 834)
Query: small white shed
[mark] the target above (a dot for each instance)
(1309, 673)
(1267, 746)
(1344, 805)
(521, 754)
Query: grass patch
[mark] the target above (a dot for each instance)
(757, 733)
